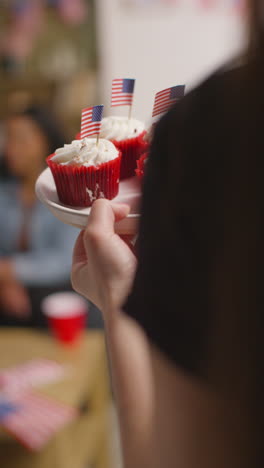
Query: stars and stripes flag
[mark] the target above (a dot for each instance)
(91, 121)
(18, 379)
(33, 419)
(166, 98)
(122, 92)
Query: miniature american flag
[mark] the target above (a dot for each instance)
(122, 92)
(18, 379)
(35, 419)
(6, 407)
(166, 98)
(91, 121)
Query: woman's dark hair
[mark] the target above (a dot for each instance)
(48, 125)
(237, 349)
(256, 26)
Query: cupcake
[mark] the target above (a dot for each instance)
(145, 140)
(141, 164)
(84, 171)
(128, 137)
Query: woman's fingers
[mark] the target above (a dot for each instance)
(130, 240)
(104, 214)
(101, 223)
(120, 211)
(104, 266)
(79, 253)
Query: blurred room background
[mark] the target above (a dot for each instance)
(48, 55)
(65, 53)
(57, 57)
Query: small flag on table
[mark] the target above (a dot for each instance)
(166, 98)
(33, 419)
(91, 121)
(122, 92)
(18, 379)
(6, 407)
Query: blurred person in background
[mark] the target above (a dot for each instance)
(35, 247)
(184, 322)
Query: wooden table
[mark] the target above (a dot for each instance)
(85, 441)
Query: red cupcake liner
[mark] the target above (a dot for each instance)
(141, 162)
(145, 143)
(131, 150)
(81, 186)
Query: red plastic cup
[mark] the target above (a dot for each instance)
(66, 313)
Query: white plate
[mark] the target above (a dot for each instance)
(129, 193)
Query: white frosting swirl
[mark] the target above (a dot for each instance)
(121, 128)
(86, 152)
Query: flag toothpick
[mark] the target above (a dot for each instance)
(123, 93)
(130, 112)
(91, 122)
(165, 99)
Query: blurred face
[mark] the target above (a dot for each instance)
(26, 146)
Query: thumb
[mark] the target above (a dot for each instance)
(120, 211)
(104, 215)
